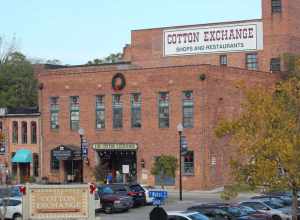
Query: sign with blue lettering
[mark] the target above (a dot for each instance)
(85, 147)
(158, 196)
(184, 145)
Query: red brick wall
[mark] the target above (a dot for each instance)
(281, 35)
(215, 97)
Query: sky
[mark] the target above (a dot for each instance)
(76, 31)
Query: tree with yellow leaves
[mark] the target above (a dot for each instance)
(267, 138)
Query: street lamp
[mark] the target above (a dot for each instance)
(180, 130)
(81, 133)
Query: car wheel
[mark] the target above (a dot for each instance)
(108, 209)
(276, 217)
(17, 217)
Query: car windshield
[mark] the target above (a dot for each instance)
(120, 188)
(198, 216)
(106, 190)
(136, 188)
(274, 204)
(247, 210)
(236, 212)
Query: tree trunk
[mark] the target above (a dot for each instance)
(295, 204)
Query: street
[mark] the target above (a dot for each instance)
(173, 204)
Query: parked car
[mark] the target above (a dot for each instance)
(114, 198)
(149, 200)
(138, 194)
(227, 211)
(186, 216)
(272, 207)
(284, 199)
(13, 207)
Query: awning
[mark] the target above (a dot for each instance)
(22, 156)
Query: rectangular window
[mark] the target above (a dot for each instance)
(136, 105)
(100, 112)
(74, 113)
(35, 165)
(54, 163)
(276, 6)
(163, 110)
(251, 61)
(117, 111)
(15, 132)
(275, 64)
(54, 110)
(33, 132)
(24, 132)
(188, 163)
(188, 109)
(223, 60)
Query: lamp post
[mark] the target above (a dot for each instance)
(81, 133)
(180, 130)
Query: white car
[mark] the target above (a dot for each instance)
(186, 216)
(271, 207)
(149, 200)
(14, 207)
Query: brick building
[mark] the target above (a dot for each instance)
(130, 110)
(20, 146)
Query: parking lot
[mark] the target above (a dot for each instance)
(173, 204)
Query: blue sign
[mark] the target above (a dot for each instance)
(157, 202)
(158, 194)
(184, 145)
(85, 147)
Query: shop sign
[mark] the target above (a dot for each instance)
(125, 168)
(115, 146)
(64, 154)
(235, 37)
(58, 202)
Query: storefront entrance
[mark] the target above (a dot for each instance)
(116, 158)
(70, 156)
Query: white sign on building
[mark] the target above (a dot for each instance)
(221, 38)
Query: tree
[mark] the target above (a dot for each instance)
(164, 166)
(112, 58)
(267, 137)
(6, 49)
(18, 86)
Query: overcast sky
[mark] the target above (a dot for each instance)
(75, 31)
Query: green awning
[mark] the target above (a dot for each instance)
(22, 156)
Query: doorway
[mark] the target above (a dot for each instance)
(115, 159)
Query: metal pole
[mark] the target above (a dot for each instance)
(180, 171)
(81, 156)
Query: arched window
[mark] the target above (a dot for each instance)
(15, 132)
(33, 132)
(24, 132)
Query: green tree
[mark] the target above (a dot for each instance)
(267, 137)
(112, 58)
(18, 86)
(164, 166)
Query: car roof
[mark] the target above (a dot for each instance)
(210, 205)
(183, 213)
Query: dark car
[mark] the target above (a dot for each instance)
(226, 211)
(138, 194)
(286, 200)
(114, 198)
